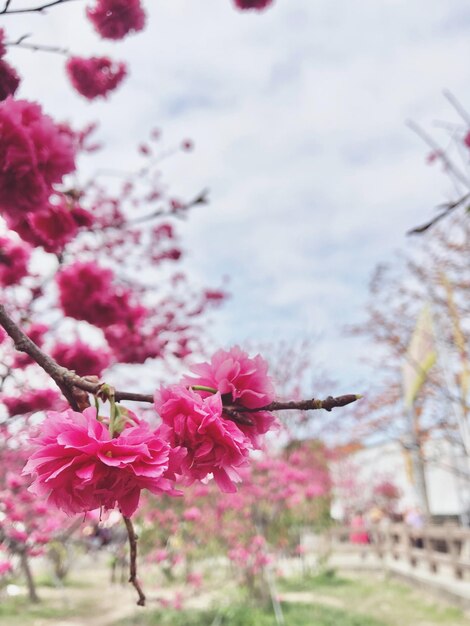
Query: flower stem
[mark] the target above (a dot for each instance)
(203, 388)
(133, 560)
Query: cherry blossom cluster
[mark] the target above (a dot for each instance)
(114, 19)
(14, 261)
(252, 558)
(279, 494)
(84, 461)
(26, 527)
(37, 208)
(9, 79)
(87, 292)
(29, 527)
(36, 155)
(80, 466)
(95, 77)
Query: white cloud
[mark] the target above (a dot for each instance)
(298, 116)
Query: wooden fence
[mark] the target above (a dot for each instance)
(437, 548)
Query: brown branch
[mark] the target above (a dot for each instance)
(65, 379)
(327, 404)
(314, 404)
(448, 208)
(133, 560)
(133, 397)
(7, 11)
(73, 386)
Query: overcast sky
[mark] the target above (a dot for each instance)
(298, 116)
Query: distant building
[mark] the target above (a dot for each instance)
(359, 469)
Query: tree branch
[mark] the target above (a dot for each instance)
(448, 208)
(65, 379)
(20, 43)
(314, 404)
(7, 11)
(133, 560)
(235, 412)
(73, 386)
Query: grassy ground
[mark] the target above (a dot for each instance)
(376, 596)
(328, 600)
(294, 614)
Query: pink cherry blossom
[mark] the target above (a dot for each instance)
(14, 259)
(81, 358)
(5, 568)
(258, 5)
(114, 19)
(129, 346)
(192, 514)
(32, 401)
(95, 77)
(88, 292)
(53, 226)
(9, 80)
(79, 467)
(3, 49)
(241, 380)
(35, 154)
(214, 444)
(233, 373)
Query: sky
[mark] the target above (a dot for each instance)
(298, 117)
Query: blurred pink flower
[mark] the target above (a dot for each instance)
(193, 514)
(259, 5)
(35, 155)
(32, 401)
(95, 77)
(114, 19)
(5, 568)
(9, 80)
(81, 358)
(14, 259)
(87, 292)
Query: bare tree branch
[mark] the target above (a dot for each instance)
(451, 206)
(39, 9)
(20, 43)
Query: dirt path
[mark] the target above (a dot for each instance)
(89, 599)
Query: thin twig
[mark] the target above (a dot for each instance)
(327, 404)
(133, 560)
(6, 9)
(20, 43)
(451, 206)
(439, 152)
(201, 198)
